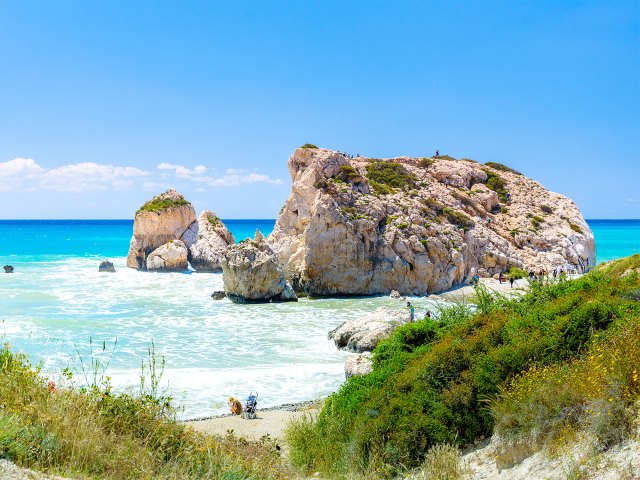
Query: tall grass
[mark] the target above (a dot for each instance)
(434, 381)
(92, 432)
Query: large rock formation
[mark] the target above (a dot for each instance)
(252, 275)
(168, 217)
(362, 334)
(367, 226)
(211, 242)
(170, 257)
(164, 218)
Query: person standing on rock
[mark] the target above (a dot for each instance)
(511, 281)
(412, 312)
(500, 278)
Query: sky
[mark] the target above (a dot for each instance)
(105, 104)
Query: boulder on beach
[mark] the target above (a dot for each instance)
(164, 218)
(359, 364)
(362, 334)
(252, 275)
(362, 226)
(106, 266)
(211, 242)
(170, 257)
(8, 269)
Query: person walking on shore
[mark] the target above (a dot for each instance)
(412, 312)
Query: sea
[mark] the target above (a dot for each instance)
(63, 314)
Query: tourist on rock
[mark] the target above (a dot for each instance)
(412, 311)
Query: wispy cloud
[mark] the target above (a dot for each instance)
(232, 177)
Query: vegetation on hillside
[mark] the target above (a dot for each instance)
(497, 184)
(390, 174)
(96, 433)
(308, 145)
(440, 381)
(501, 167)
(160, 202)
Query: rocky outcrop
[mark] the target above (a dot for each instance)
(362, 334)
(359, 364)
(219, 295)
(106, 266)
(8, 269)
(170, 257)
(419, 226)
(164, 218)
(211, 242)
(252, 275)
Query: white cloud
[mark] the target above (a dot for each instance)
(232, 177)
(21, 173)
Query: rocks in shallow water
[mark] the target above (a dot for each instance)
(164, 218)
(8, 269)
(218, 295)
(359, 364)
(212, 240)
(106, 266)
(170, 257)
(252, 275)
(364, 333)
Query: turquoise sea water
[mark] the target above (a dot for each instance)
(56, 301)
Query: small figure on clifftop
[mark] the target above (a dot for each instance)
(234, 406)
(437, 153)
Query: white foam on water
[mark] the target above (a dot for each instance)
(213, 349)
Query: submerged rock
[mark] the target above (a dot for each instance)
(359, 364)
(170, 257)
(164, 218)
(252, 275)
(106, 266)
(219, 295)
(363, 334)
(360, 226)
(211, 242)
(8, 269)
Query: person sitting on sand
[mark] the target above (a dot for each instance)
(235, 406)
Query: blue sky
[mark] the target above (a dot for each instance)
(103, 104)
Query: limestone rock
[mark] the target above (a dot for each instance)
(8, 269)
(359, 364)
(106, 266)
(170, 257)
(164, 218)
(343, 233)
(362, 334)
(252, 275)
(211, 241)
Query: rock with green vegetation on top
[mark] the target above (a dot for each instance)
(164, 218)
(361, 226)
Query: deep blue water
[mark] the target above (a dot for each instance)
(42, 240)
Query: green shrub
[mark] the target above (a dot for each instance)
(432, 382)
(433, 205)
(497, 184)
(442, 462)
(391, 174)
(536, 221)
(501, 167)
(458, 218)
(214, 220)
(575, 227)
(402, 226)
(445, 157)
(517, 273)
(546, 209)
(468, 160)
(160, 202)
(513, 232)
(504, 210)
(308, 145)
(380, 188)
(425, 244)
(425, 162)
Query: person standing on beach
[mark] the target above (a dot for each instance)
(412, 312)
(511, 281)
